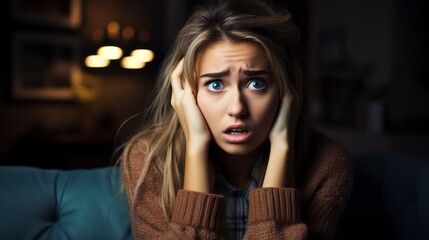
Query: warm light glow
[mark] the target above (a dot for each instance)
(143, 55)
(132, 63)
(95, 61)
(113, 29)
(128, 33)
(144, 36)
(87, 87)
(110, 52)
(97, 34)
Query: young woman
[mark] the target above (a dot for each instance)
(226, 152)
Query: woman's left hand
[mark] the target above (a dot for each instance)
(283, 131)
(281, 161)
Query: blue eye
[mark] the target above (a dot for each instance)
(256, 84)
(215, 86)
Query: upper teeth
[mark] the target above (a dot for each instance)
(236, 131)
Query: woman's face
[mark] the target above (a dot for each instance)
(237, 94)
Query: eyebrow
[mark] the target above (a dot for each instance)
(255, 72)
(245, 72)
(215, 75)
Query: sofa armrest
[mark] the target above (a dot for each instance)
(54, 204)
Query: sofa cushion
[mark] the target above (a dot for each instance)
(54, 204)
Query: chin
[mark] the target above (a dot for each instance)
(237, 149)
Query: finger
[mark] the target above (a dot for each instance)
(188, 88)
(176, 83)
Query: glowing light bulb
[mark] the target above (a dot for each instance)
(110, 52)
(131, 62)
(95, 61)
(113, 29)
(128, 33)
(143, 55)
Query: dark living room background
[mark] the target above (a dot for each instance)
(366, 69)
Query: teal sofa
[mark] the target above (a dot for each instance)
(53, 204)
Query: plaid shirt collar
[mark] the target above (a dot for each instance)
(237, 204)
(223, 186)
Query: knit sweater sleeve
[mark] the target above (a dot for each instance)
(278, 213)
(195, 215)
(274, 213)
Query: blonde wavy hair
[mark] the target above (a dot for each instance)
(234, 20)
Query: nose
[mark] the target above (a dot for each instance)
(238, 105)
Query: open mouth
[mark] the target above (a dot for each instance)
(237, 134)
(237, 131)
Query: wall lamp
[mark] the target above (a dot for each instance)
(136, 59)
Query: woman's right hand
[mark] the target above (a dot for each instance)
(197, 134)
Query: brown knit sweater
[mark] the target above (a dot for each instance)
(311, 210)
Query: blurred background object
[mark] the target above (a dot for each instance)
(63, 95)
(63, 92)
(367, 73)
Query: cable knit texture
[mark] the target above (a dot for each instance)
(311, 210)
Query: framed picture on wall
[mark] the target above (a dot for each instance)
(45, 66)
(60, 13)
